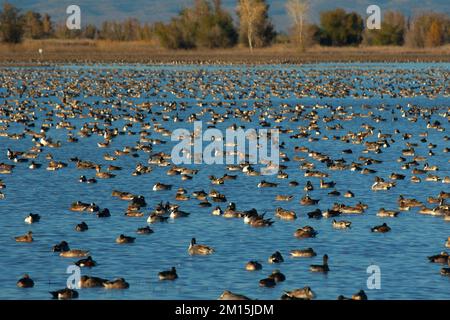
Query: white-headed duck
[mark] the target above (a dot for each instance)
(32, 218)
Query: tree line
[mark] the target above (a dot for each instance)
(208, 25)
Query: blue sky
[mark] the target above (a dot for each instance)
(96, 11)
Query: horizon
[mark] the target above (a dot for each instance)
(102, 10)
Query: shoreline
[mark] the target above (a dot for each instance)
(92, 52)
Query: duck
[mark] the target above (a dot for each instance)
(285, 214)
(320, 267)
(81, 227)
(326, 185)
(447, 243)
(316, 214)
(228, 295)
(308, 201)
(144, 230)
(442, 257)
(62, 246)
(104, 213)
(277, 276)
(87, 263)
(387, 213)
(160, 187)
(64, 294)
(445, 272)
(280, 197)
(299, 294)
(253, 266)
(303, 253)
(349, 194)
(32, 218)
(381, 229)
(341, 224)
(25, 282)
(168, 275)
(175, 213)
(122, 239)
(305, 232)
(276, 258)
(118, 283)
(25, 238)
(91, 282)
(360, 295)
(217, 211)
(103, 175)
(83, 179)
(199, 249)
(266, 184)
(74, 253)
(267, 282)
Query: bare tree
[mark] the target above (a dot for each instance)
(298, 12)
(251, 12)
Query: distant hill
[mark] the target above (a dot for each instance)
(96, 11)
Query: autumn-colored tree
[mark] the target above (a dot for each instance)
(435, 35)
(47, 26)
(33, 27)
(428, 29)
(11, 24)
(298, 11)
(255, 27)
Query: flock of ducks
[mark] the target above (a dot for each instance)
(298, 123)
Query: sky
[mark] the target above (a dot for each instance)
(96, 11)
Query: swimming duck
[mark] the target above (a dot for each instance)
(341, 224)
(299, 294)
(217, 211)
(308, 201)
(266, 184)
(119, 283)
(103, 175)
(175, 213)
(104, 213)
(443, 257)
(283, 198)
(168, 275)
(160, 186)
(387, 213)
(25, 282)
(285, 214)
(83, 179)
(88, 262)
(64, 294)
(122, 239)
(228, 295)
(447, 243)
(349, 194)
(144, 230)
(361, 295)
(91, 282)
(275, 258)
(277, 276)
(25, 238)
(303, 253)
(253, 266)
(32, 218)
(267, 282)
(305, 232)
(199, 249)
(74, 253)
(316, 214)
(381, 229)
(62, 246)
(321, 267)
(81, 227)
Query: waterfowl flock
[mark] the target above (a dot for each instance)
(364, 168)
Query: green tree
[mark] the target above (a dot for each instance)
(11, 24)
(339, 28)
(428, 29)
(392, 32)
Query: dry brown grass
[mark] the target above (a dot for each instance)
(72, 51)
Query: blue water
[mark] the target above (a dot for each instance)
(401, 254)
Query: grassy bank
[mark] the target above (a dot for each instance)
(87, 51)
